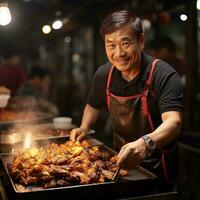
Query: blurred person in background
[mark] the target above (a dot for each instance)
(37, 88)
(144, 98)
(11, 74)
(165, 49)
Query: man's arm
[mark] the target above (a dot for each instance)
(168, 130)
(163, 135)
(90, 116)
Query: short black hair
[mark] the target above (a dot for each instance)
(119, 19)
(38, 71)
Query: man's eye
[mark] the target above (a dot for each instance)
(111, 46)
(126, 44)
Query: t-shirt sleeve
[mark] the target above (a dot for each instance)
(169, 89)
(97, 94)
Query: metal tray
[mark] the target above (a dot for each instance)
(136, 182)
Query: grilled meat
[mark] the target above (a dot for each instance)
(66, 164)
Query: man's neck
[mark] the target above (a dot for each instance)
(131, 74)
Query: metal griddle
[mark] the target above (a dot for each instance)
(138, 181)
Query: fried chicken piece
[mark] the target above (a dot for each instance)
(93, 172)
(123, 172)
(28, 180)
(114, 159)
(108, 174)
(59, 160)
(51, 184)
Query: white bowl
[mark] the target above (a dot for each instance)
(62, 122)
(4, 100)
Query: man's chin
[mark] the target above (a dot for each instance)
(122, 67)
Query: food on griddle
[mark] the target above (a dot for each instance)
(66, 164)
(11, 115)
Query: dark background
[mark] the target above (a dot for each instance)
(73, 53)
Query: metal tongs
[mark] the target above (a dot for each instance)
(116, 175)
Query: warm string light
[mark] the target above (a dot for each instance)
(46, 29)
(183, 17)
(198, 4)
(57, 24)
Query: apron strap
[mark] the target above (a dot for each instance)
(148, 82)
(145, 92)
(164, 153)
(108, 87)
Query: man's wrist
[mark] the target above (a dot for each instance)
(84, 129)
(150, 144)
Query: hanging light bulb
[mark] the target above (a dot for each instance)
(198, 4)
(5, 16)
(46, 29)
(57, 24)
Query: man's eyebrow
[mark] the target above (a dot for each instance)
(126, 39)
(122, 39)
(109, 40)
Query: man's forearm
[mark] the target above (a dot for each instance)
(90, 116)
(168, 130)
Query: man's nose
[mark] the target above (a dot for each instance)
(120, 51)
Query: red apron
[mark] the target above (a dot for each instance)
(131, 118)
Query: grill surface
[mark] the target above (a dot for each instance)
(137, 182)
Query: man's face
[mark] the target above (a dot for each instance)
(123, 49)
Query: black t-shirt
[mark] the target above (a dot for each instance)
(165, 85)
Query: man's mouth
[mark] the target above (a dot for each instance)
(121, 61)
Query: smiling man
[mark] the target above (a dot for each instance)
(143, 96)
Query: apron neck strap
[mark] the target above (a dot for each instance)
(108, 87)
(148, 81)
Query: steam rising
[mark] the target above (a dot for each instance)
(25, 137)
(28, 140)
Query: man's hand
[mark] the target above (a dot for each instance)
(78, 134)
(90, 115)
(134, 152)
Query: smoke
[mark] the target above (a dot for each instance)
(22, 137)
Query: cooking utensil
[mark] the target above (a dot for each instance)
(116, 175)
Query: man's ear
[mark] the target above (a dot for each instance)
(141, 41)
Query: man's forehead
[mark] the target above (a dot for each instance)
(121, 33)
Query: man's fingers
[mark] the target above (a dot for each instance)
(123, 156)
(73, 135)
(77, 134)
(72, 138)
(81, 136)
(121, 151)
